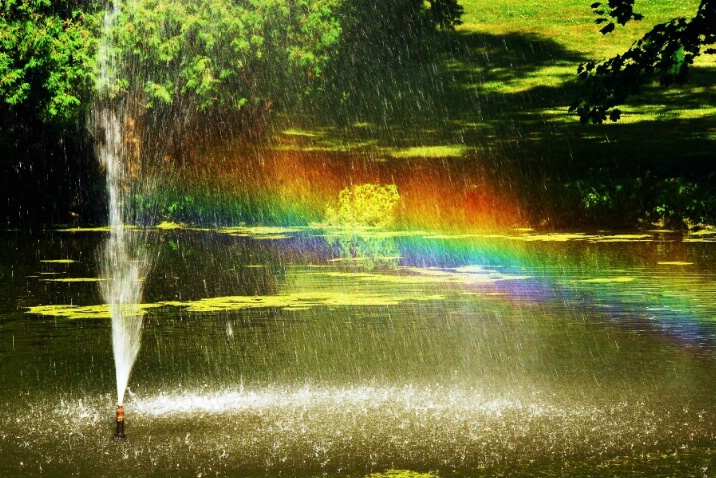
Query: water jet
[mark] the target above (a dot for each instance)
(123, 264)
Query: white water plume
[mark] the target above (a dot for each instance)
(123, 264)
(123, 269)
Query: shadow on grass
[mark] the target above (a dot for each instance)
(472, 79)
(504, 100)
(480, 89)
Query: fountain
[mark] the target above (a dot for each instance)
(123, 266)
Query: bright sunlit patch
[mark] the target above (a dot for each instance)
(298, 132)
(402, 474)
(622, 238)
(85, 312)
(563, 237)
(365, 259)
(608, 280)
(169, 225)
(707, 231)
(675, 263)
(443, 151)
(58, 261)
(467, 236)
(86, 229)
(363, 232)
(431, 275)
(300, 301)
(528, 235)
(295, 301)
(261, 232)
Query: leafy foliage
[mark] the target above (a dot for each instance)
(666, 53)
(621, 11)
(675, 202)
(402, 474)
(215, 53)
(365, 205)
(211, 53)
(47, 54)
(446, 13)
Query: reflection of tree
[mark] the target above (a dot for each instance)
(362, 212)
(366, 248)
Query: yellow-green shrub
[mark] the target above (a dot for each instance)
(365, 205)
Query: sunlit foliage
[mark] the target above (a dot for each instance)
(212, 53)
(215, 53)
(47, 55)
(402, 474)
(365, 205)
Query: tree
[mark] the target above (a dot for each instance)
(223, 54)
(665, 53)
(446, 13)
(47, 51)
(46, 56)
(210, 53)
(186, 66)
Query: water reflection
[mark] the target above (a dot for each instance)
(501, 355)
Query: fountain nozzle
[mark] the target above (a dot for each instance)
(119, 434)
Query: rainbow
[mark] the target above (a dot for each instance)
(293, 187)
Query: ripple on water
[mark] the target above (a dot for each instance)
(333, 428)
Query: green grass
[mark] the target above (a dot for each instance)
(496, 93)
(568, 22)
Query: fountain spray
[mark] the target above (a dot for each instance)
(119, 433)
(123, 264)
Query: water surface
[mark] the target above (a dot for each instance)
(296, 352)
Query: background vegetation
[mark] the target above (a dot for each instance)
(494, 96)
(374, 92)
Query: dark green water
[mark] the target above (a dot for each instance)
(471, 356)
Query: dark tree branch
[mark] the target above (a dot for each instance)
(665, 53)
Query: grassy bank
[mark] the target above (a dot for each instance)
(487, 109)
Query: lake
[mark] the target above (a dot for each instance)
(306, 352)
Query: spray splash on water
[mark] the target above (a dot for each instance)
(123, 264)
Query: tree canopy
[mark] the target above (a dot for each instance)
(211, 53)
(665, 53)
(221, 53)
(46, 56)
(196, 69)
